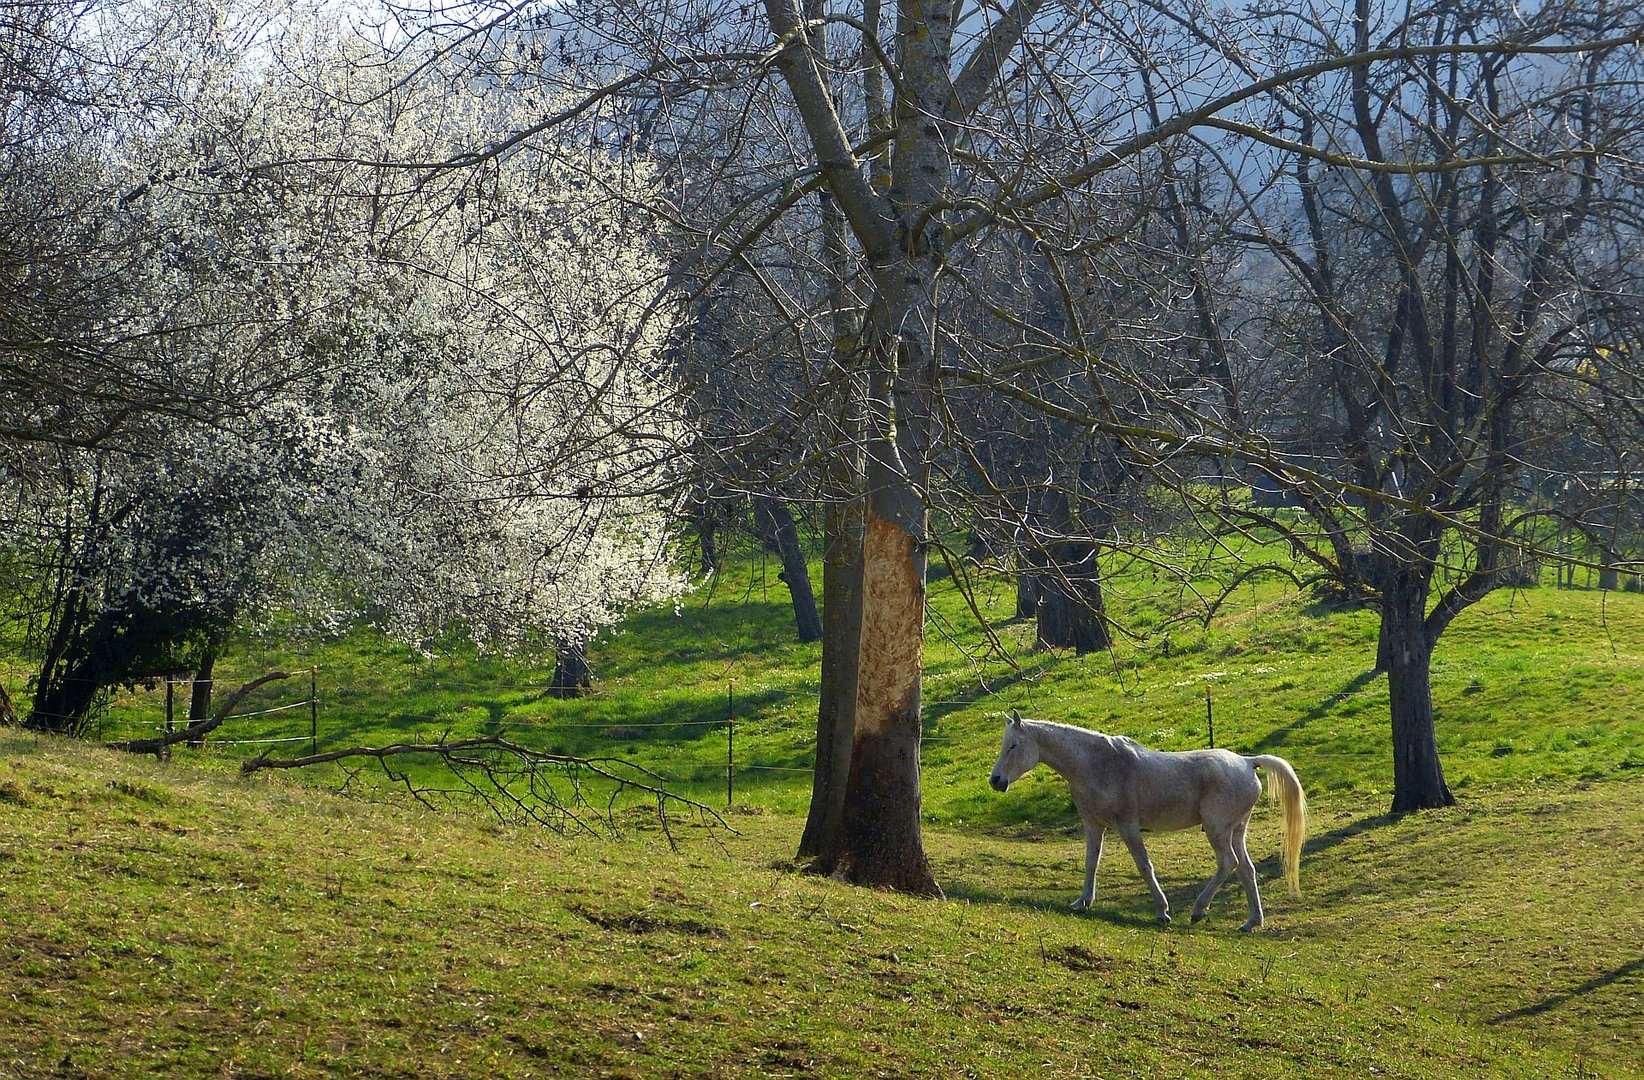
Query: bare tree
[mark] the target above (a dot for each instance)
(935, 131)
(1452, 314)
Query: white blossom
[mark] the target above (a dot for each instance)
(429, 395)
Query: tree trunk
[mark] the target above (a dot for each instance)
(1609, 577)
(1028, 588)
(880, 841)
(842, 517)
(900, 231)
(702, 511)
(572, 678)
(8, 711)
(1030, 557)
(776, 527)
(55, 709)
(1418, 775)
(1071, 612)
(62, 705)
(199, 694)
(707, 530)
(836, 706)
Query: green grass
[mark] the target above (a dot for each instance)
(161, 920)
(179, 919)
(1529, 685)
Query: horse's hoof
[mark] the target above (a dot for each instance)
(1198, 917)
(1253, 924)
(1079, 905)
(1164, 920)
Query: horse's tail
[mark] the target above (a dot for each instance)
(1293, 805)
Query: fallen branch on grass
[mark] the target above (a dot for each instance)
(517, 784)
(200, 728)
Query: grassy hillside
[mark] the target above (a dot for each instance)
(178, 919)
(160, 920)
(1531, 685)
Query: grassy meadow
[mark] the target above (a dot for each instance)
(179, 919)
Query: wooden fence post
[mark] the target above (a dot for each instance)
(730, 741)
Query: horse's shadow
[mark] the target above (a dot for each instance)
(1117, 915)
(1114, 904)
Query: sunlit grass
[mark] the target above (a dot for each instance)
(159, 919)
(169, 917)
(1531, 684)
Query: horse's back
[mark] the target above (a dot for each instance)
(1181, 789)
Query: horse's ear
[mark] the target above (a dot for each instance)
(1014, 719)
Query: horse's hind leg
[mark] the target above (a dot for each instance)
(1222, 845)
(1132, 836)
(1247, 876)
(1093, 859)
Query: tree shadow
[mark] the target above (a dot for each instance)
(963, 699)
(1271, 866)
(1278, 736)
(1547, 1004)
(1343, 833)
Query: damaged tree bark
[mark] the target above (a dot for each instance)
(898, 227)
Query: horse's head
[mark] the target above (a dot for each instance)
(1018, 754)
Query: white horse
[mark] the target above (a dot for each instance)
(1121, 785)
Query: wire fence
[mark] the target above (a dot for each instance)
(311, 720)
(783, 747)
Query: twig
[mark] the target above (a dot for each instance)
(502, 765)
(200, 728)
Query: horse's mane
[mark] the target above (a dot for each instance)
(1082, 730)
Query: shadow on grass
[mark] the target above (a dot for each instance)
(1141, 916)
(964, 699)
(1547, 1004)
(1342, 834)
(1031, 883)
(1117, 910)
(1270, 867)
(1278, 736)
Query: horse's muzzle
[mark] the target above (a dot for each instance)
(998, 782)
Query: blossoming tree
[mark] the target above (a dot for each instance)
(432, 396)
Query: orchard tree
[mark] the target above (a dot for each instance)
(73, 367)
(459, 423)
(933, 129)
(1461, 241)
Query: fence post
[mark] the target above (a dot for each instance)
(730, 741)
(1209, 717)
(313, 709)
(171, 721)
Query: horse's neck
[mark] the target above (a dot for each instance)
(1068, 750)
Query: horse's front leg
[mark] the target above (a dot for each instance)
(1132, 836)
(1093, 859)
